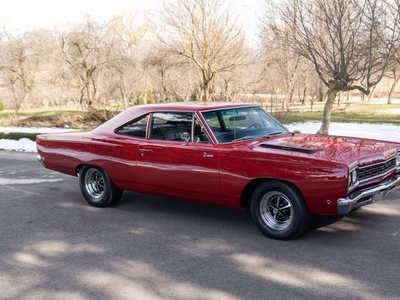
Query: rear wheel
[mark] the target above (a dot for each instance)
(97, 187)
(279, 210)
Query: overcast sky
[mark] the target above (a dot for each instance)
(24, 15)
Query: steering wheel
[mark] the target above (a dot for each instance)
(255, 125)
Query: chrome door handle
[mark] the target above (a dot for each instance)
(142, 151)
(145, 150)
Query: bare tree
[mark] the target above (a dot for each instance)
(393, 26)
(341, 38)
(124, 77)
(86, 53)
(19, 62)
(174, 77)
(284, 63)
(206, 33)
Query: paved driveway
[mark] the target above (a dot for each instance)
(55, 246)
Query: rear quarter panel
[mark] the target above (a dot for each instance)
(66, 152)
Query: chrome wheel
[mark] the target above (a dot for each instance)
(97, 187)
(276, 210)
(94, 183)
(279, 210)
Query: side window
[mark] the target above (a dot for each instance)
(170, 125)
(135, 128)
(199, 133)
(213, 121)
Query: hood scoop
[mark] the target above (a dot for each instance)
(287, 148)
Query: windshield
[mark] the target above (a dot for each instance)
(241, 123)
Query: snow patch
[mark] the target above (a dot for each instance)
(386, 132)
(25, 144)
(21, 145)
(7, 181)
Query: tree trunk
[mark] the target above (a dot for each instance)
(25, 100)
(205, 87)
(396, 79)
(326, 117)
(290, 86)
(145, 91)
(208, 85)
(370, 95)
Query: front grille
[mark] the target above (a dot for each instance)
(368, 172)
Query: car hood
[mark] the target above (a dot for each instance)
(348, 150)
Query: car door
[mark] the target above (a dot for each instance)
(168, 165)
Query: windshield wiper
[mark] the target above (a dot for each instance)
(247, 137)
(274, 133)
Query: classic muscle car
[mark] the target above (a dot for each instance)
(234, 155)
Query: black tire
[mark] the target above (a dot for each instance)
(97, 187)
(279, 210)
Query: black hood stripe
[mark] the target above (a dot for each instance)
(288, 148)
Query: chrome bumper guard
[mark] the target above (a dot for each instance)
(41, 160)
(367, 196)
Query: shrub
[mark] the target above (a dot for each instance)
(18, 135)
(1, 105)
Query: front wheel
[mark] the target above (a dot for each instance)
(279, 210)
(97, 187)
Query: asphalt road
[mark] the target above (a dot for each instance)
(55, 246)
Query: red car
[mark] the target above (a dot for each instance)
(228, 154)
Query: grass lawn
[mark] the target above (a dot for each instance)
(365, 112)
(38, 113)
(356, 112)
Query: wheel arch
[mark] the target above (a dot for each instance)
(248, 190)
(79, 168)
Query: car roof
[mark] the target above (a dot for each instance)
(193, 106)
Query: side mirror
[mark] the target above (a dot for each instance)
(185, 137)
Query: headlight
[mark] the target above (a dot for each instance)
(353, 177)
(398, 160)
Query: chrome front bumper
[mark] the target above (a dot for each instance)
(367, 196)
